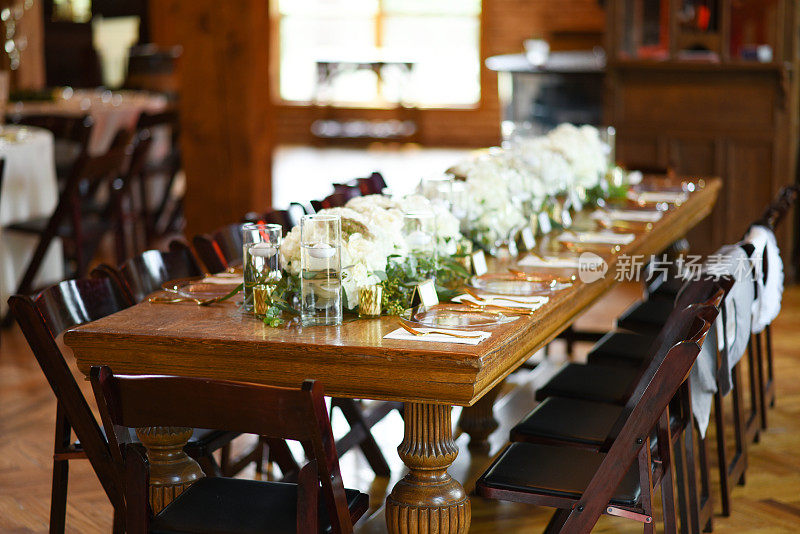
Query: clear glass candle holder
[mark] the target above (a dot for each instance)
(320, 270)
(419, 230)
(261, 245)
(437, 189)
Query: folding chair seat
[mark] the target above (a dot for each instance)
(620, 348)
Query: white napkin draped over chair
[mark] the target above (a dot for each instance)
(729, 335)
(769, 284)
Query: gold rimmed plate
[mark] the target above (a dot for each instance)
(203, 287)
(454, 316)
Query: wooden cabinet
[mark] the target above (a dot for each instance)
(730, 118)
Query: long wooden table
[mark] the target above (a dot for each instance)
(354, 360)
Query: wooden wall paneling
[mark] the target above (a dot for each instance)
(635, 150)
(736, 121)
(701, 155)
(750, 176)
(30, 74)
(226, 112)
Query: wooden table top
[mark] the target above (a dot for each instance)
(353, 359)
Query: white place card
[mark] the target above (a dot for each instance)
(479, 263)
(544, 223)
(527, 238)
(425, 294)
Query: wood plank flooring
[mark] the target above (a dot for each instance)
(768, 503)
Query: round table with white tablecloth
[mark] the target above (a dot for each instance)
(29, 190)
(110, 111)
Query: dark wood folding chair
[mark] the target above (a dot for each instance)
(334, 200)
(132, 209)
(167, 214)
(762, 341)
(145, 274)
(42, 319)
(586, 423)
(80, 231)
(583, 484)
(221, 249)
(372, 185)
(225, 504)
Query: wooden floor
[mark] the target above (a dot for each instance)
(768, 503)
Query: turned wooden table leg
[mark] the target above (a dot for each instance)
(428, 499)
(171, 469)
(478, 421)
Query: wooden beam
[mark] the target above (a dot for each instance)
(226, 111)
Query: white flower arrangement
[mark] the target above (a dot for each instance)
(500, 181)
(371, 233)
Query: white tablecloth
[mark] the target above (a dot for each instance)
(29, 191)
(111, 112)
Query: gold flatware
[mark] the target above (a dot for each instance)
(415, 332)
(624, 225)
(199, 302)
(474, 295)
(470, 309)
(583, 247)
(522, 275)
(538, 256)
(504, 309)
(172, 300)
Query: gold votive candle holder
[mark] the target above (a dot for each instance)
(370, 300)
(261, 299)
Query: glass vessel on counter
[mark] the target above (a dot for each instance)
(419, 230)
(437, 189)
(262, 270)
(320, 270)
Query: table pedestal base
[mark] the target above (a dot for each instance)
(478, 421)
(171, 469)
(428, 499)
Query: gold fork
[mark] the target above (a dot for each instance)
(412, 331)
(474, 295)
(590, 247)
(625, 225)
(172, 300)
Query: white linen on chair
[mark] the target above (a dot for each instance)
(30, 190)
(767, 304)
(730, 333)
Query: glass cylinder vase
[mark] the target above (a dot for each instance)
(320, 270)
(419, 230)
(261, 261)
